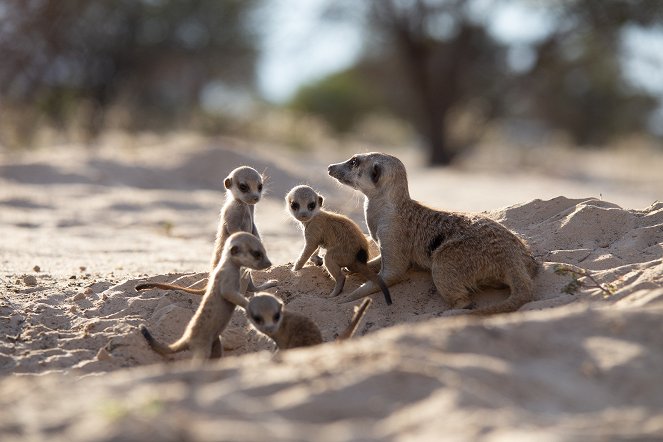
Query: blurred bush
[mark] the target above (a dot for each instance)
(68, 62)
(342, 100)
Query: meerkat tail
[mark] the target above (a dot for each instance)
(367, 273)
(521, 294)
(360, 311)
(162, 349)
(158, 285)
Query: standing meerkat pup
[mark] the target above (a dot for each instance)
(462, 251)
(345, 243)
(243, 191)
(218, 304)
(289, 329)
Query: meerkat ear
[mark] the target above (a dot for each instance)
(320, 200)
(228, 182)
(376, 173)
(234, 250)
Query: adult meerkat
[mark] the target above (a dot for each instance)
(243, 191)
(345, 243)
(218, 304)
(462, 251)
(289, 329)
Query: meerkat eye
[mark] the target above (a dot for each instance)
(277, 316)
(311, 206)
(259, 187)
(257, 319)
(257, 255)
(243, 188)
(294, 205)
(354, 162)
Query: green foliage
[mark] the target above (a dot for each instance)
(152, 58)
(341, 100)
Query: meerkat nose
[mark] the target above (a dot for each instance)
(330, 167)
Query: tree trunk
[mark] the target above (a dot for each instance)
(438, 150)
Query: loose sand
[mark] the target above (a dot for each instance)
(79, 229)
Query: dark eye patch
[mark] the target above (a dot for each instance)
(259, 187)
(243, 187)
(256, 254)
(277, 316)
(311, 206)
(294, 205)
(257, 319)
(354, 162)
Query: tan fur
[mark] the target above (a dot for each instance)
(218, 304)
(462, 251)
(344, 242)
(243, 190)
(289, 329)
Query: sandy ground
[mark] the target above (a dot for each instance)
(79, 228)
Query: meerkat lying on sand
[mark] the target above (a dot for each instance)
(243, 190)
(463, 251)
(289, 329)
(345, 243)
(218, 304)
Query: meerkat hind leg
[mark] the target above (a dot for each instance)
(449, 285)
(336, 273)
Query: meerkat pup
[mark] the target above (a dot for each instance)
(243, 191)
(289, 329)
(218, 304)
(462, 251)
(345, 243)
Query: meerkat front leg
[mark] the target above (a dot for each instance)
(217, 349)
(375, 264)
(264, 286)
(393, 269)
(236, 298)
(305, 255)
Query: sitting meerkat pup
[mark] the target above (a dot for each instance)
(289, 329)
(345, 243)
(243, 191)
(218, 304)
(462, 251)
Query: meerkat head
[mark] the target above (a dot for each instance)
(303, 203)
(265, 312)
(246, 250)
(371, 173)
(245, 184)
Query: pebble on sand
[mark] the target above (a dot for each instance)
(30, 280)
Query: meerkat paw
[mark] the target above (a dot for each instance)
(315, 259)
(296, 267)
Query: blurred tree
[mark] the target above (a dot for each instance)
(154, 56)
(435, 59)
